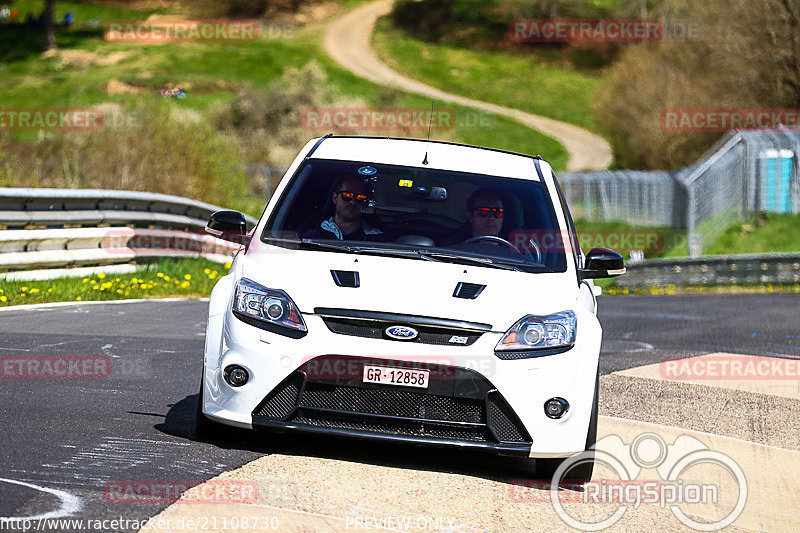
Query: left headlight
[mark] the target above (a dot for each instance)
(266, 307)
(535, 332)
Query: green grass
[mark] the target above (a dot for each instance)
(188, 278)
(657, 241)
(212, 72)
(762, 234)
(506, 78)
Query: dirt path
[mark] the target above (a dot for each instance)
(347, 40)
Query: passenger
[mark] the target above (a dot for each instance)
(347, 223)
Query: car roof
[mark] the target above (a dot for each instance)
(440, 155)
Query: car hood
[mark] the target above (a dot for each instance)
(408, 286)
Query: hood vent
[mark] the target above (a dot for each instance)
(468, 291)
(346, 278)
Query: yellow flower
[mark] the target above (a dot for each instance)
(3, 299)
(24, 289)
(119, 291)
(34, 291)
(85, 280)
(184, 284)
(127, 293)
(228, 264)
(95, 287)
(101, 275)
(187, 277)
(160, 274)
(79, 298)
(166, 278)
(207, 271)
(49, 290)
(116, 279)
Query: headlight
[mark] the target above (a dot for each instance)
(535, 332)
(266, 307)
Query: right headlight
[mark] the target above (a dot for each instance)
(536, 332)
(267, 308)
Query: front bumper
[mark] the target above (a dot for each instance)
(458, 408)
(524, 385)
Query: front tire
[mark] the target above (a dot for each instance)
(582, 472)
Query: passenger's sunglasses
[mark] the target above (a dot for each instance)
(496, 212)
(350, 196)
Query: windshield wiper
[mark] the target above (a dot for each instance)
(480, 261)
(339, 247)
(411, 254)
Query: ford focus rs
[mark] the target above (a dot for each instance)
(409, 290)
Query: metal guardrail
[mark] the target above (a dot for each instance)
(743, 269)
(20, 208)
(57, 228)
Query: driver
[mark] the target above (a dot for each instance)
(485, 213)
(349, 196)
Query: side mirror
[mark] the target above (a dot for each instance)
(602, 263)
(229, 226)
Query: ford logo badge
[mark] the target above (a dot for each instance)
(401, 333)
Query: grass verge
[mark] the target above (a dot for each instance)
(164, 278)
(505, 78)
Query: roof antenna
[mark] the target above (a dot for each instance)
(430, 119)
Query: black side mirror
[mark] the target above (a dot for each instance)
(602, 263)
(229, 226)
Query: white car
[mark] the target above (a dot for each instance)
(410, 290)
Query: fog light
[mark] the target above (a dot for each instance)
(556, 407)
(235, 375)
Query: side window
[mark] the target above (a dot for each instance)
(573, 235)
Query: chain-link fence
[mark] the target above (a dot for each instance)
(744, 172)
(638, 198)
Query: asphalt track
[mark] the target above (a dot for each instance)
(78, 435)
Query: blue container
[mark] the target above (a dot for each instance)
(776, 180)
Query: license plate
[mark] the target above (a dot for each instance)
(396, 376)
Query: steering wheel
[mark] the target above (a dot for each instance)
(492, 238)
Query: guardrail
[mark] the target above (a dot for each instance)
(21, 208)
(58, 228)
(742, 269)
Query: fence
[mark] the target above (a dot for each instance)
(744, 172)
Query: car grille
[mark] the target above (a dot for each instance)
(371, 329)
(459, 404)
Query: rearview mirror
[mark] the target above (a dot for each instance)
(229, 226)
(602, 263)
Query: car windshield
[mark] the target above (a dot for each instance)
(419, 213)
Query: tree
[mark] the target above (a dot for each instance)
(49, 30)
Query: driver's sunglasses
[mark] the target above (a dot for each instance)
(496, 212)
(350, 196)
